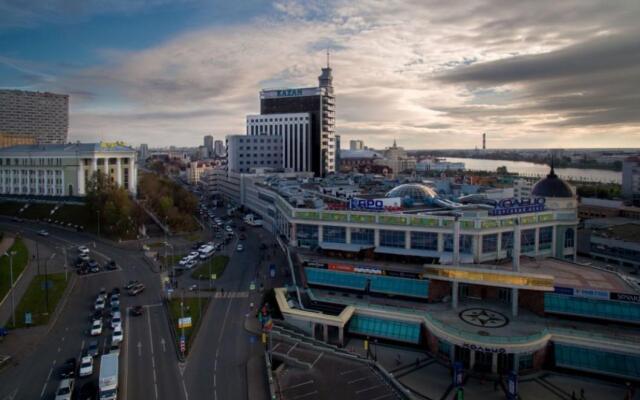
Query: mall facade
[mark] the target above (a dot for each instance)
(494, 288)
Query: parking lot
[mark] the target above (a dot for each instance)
(330, 376)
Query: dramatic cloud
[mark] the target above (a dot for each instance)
(428, 73)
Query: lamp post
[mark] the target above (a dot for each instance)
(13, 300)
(46, 282)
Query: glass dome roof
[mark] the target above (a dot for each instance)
(416, 192)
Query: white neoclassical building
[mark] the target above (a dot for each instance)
(62, 170)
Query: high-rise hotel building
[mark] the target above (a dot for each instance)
(43, 117)
(318, 105)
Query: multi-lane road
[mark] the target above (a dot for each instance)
(150, 369)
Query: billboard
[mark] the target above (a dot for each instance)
(289, 92)
(383, 204)
(514, 206)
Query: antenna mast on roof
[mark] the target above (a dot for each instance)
(328, 64)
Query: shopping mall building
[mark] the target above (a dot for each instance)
(493, 286)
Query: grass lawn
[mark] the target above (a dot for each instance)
(170, 260)
(73, 213)
(214, 265)
(34, 299)
(194, 237)
(194, 308)
(19, 262)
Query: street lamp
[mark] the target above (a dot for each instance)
(46, 282)
(13, 300)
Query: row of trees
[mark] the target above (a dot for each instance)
(116, 213)
(169, 201)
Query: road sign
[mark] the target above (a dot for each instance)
(214, 277)
(28, 320)
(183, 344)
(252, 286)
(458, 368)
(184, 322)
(272, 270)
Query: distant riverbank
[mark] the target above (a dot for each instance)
(529, 169)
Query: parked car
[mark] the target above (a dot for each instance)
(115, 290)
(68, 369)
(134, 291)
(86, 366)
(116, 320)
(65, 389)
(84, 257)
(239, 247)
(96, 327)
(114, 348)
(137, 311)
(117, 335)
(191, 264)
(92, 349)
(83, 250)
(99, 304)
(93, 266)
(96, 315)
(115, 301)
(43, 232)
(111, 265)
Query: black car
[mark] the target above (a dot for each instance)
(96, 315)
(83, 270)
(92, 350)
(131, 284)
(93, 266)
(68, 369)
(111, 265)
(88, 391)
(115, 290)
(137, 311)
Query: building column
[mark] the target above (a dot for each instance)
(440, 242)
(118, 171)
(325, 332)
(452, 353)
(454, 294)
(516, 363)
(348, 235)
(341, 335)
(537, 241)
(320, 233)
(133, 176)
(81, 184)
(494, 363)
(517, 246)
(514, 302)
(376, 237)
(94, 165)
(472, 359)
(407, 239)
(554, 245)
(293, 240)
(455, 258)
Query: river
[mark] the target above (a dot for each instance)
(539, 170)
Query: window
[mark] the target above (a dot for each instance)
(392, 238)
(424, 240)
(545, 237)
(362, 236)
(334, 234)
(525, 361)
(307, 235)
(507, 240)
(528, 239)
(466, 243)
(489, 243)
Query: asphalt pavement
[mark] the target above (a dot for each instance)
(149, 366)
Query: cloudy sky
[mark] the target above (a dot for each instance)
(433, 74)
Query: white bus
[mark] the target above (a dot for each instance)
(206, 252)
(108, 381)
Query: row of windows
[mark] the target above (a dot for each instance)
(261, 162)
(256, 148)
(30, 172)
(255, 140)
(249, 155)
(285, 119)
(30, 161)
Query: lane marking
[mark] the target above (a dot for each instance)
(317, 359)
(357, 380)
(126, 353)
(139, 346)
(153, 361)
(369, 388)
(162, 344)
(184, 388)
(306, 395)
(46, 382)
(297, 385)
(292, 348)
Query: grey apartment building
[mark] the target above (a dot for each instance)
(42, 115)
(247, 153)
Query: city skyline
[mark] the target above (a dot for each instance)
(529, 75)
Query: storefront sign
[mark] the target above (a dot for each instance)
(592, 294)
(563, 290)
(366, 270)
(484, 349)
(512, 386)
(336, 205)
(386, 204)
(628, 297)
(341, 267)
(515, 206)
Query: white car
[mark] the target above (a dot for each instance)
(65, 389)
(191, 264)
(116, 320)
(83, 250)
(42, 232)
(99, 305)
(96, 328)
(194, 254)
(239, 247)
(86, 366)
(228, 229)
(117, 335)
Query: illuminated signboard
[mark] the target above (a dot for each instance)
(292, 92)
(515, 206)
(386, 204)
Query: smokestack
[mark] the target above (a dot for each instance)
(484, 141)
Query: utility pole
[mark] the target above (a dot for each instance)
(37, 257)
(66, 266)
(98, 223)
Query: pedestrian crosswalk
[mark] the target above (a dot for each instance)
(231, 295)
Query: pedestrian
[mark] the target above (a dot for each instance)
(582, 394)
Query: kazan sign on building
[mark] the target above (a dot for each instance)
(515, 206)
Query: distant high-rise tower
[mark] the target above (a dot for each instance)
(208, 144)
(319, 103)
(484, 141)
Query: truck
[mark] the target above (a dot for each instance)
(251, 220)
(108, 381)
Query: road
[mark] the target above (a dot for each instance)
(216, 366)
